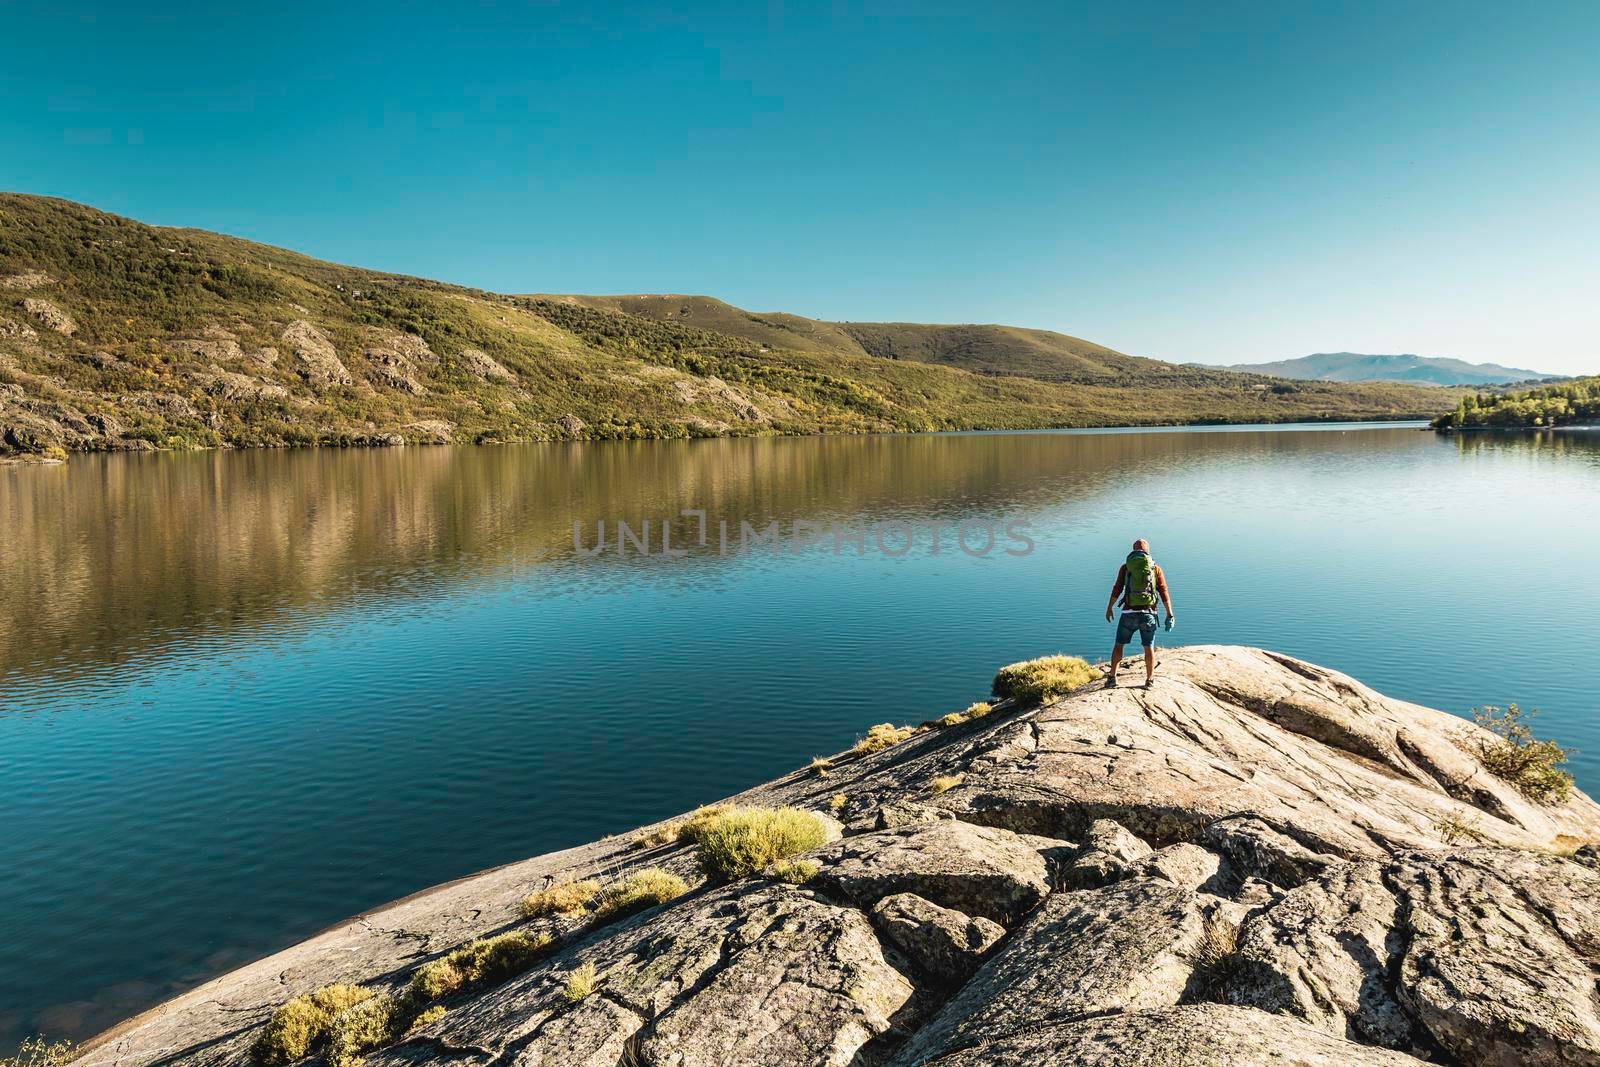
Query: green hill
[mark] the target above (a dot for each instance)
(982, 349)
(1571, 403)
(119, 335)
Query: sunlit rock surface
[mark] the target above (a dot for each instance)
(1255, 861)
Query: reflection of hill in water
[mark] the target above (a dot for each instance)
(114, 556)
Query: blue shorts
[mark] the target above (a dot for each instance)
(1143, 621)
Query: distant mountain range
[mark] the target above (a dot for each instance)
(1413, 370)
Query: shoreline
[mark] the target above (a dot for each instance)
(22, 459)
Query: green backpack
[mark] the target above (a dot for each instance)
(1141, 592)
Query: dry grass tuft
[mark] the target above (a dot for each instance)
(427, 1018)
(820, 766)
(638, 891)
(37, 1052)
(838, 803)
(480, 963)
(1035, 681)
(955, 718)
(1516, 756)
(581, 983)
(743, 841)
(1452, 828)
(701, 816)
(1216, 957)
(666, 834)
(300, 1025)
(882, 736)
(794, 871)
(946, 782)
(568, 899)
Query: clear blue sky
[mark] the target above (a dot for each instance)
(1225, 182)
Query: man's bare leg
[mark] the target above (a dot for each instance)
(1149, 664)
(1116, 660)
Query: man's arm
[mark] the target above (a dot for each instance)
(1116, 591)
(1161, 588)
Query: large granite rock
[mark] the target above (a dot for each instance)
(1202, 1035)
(319, 361)
(946, 944)
(975, 869)
(1130, 945)
(1489, 954)
(756, 974)
(1247, 864)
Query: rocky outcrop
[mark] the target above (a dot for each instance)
(226, 385)
(483, 366)
(319, 362)
(1249, 863)
(49, 316)
(28, 279)
(1200, 1035)
(718, 392)
(943, 942)
(394, 358)
(974, 869)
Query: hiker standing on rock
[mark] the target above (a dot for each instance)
(1139, 583)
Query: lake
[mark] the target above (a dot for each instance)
(246, 694)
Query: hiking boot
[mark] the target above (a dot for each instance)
(1111, 681)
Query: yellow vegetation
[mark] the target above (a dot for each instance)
(1035, 681)
(666, 834)
(480, 963)
(301, 1024)
(567, 899)
(881, 736)
(581, 983)
(639, 890)
(795, 871)
(37, 1052)
(743, 841)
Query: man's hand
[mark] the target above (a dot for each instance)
(1171, 619)
(1108, 613)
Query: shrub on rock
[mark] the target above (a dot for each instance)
(1035, 681)
(358, 1030)
(638, 891)
(744, 841)
(567, 899)
(479, 963)
(300, 1025)
(881, 736)
(1516, 756)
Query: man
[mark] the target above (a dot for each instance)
(1139, 583)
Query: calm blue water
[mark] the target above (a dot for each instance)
(243, 695)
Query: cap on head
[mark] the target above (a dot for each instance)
(1141, 545)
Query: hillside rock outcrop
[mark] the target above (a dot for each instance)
(49, 316)
(1256, 861)
(319, 361)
